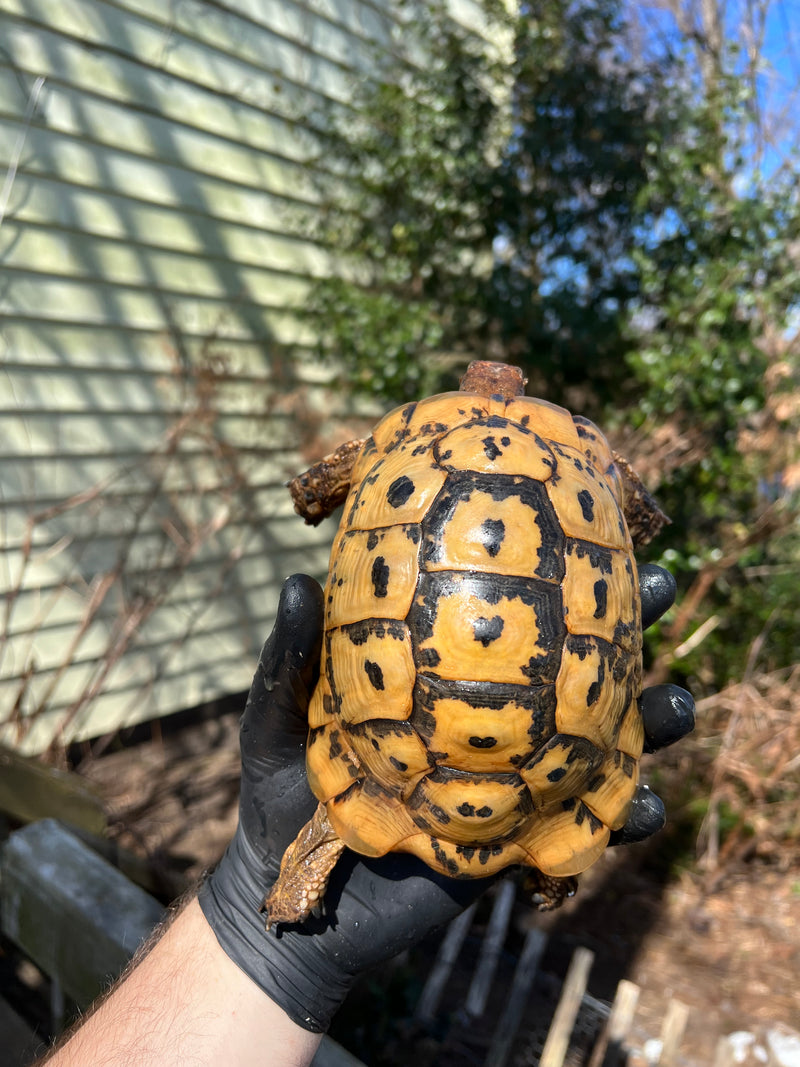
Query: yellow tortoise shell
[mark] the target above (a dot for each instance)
(477, 704)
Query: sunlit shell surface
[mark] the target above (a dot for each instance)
(482, 658)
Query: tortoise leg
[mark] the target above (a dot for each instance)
(322, 488)
(548, 893)
(644, 517)
(305, 869)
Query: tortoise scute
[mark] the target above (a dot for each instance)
(483, 642)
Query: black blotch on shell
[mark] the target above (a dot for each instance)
(586, 501)
(487, 630)
(493, 532)
(400, 491)
(600, 598)
(483, 742)
(491, 448)
(374, 673)
(380, 577)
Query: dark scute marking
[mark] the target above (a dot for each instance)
(375, 745)
(400, 491)
(440, 814)
(524, 420)
(398, 764)
(429, 657)
(599, 557)
(601, 598)
(374, 673)
(358, 632)
(380, 577)
(487, 630)
(336, 745)
(461, 485)
(595, 689)
(569, 803)
(496, 422)
(413, 533)
(449, 864)
(484, 812)
(505, 441)
(467, 851)
(493, 532)
(491, 448)
(595, 783)
(430, 428)
(628, 765)
(372, 541)
(466, 809)
(586, 501)
(408, 411)
(556, 774)
(483, 742)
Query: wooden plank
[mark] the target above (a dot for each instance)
(449, 949)
(20, 1043)
(557, 1043)
(491, 947)
(30, 790)
(609, 1048)
(80, 919)
(524, 975)
(70, 911)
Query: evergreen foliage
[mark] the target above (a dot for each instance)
(596, 218)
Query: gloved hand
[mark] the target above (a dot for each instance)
(373, 908)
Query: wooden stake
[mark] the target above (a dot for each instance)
(672, 1032)
(617, 1027)
(557, 1043)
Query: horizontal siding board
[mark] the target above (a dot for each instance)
(153, 281)
(182, 158)
(253, 62)
(118, 263)
(82, 347)
(145, 227)
(56, 615)
(49, 297)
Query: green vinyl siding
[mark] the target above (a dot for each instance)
(157, 382)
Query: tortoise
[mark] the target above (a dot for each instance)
(481, 662)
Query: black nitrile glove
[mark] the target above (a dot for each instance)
(373, 908)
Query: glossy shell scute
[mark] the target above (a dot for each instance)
(482, 657)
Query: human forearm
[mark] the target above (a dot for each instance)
(187, 1002)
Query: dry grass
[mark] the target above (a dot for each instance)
(753, 730)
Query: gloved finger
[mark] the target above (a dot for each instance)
(275, 718)
(658, 589)
(667, 715)
(375, 908)
(647, 816)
